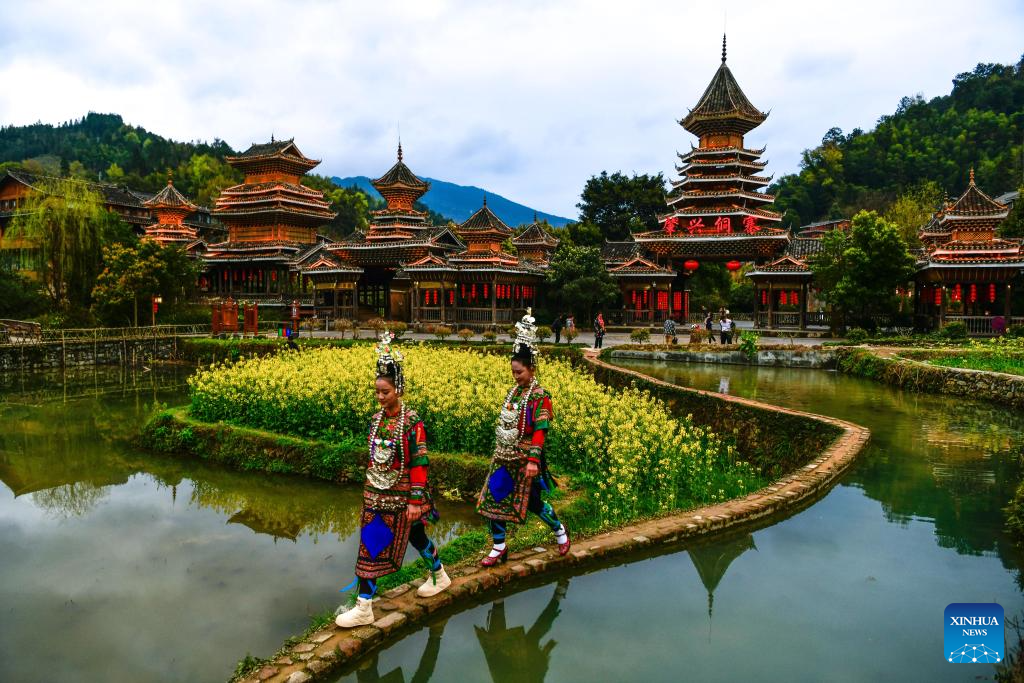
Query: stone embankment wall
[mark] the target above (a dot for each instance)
(59, 354)
(916, 375)
(789, 358)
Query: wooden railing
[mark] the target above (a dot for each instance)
(428, 315)
(981, 325)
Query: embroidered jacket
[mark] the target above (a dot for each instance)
(416, 461)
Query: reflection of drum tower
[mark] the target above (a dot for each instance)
(712, 561)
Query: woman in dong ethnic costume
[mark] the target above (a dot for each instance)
(396, 502)
(519, 469)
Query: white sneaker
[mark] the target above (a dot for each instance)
(360, 615)
(437, 583)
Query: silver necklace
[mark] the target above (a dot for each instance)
(381, 474)
(511, 422)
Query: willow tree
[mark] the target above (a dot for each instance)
(64, 222)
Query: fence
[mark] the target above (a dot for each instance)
(981, 325)
(11, 334)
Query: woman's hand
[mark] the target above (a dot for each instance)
(414, 512)
(532, 470)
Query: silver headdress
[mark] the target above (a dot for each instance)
(389, 361)
(526, 338)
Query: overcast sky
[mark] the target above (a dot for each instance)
(527, 98)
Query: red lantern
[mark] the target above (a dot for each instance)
(733, 265)
(938, 296)
(991, 294)
(793, 298)
(764, 297)
(451, 297)
(691, 264)
(273, 275)
(974, 293)
(783, 299)
(957, 292)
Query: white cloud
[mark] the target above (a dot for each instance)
(527, 99)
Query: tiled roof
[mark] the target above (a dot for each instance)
(723, 100)
(118, 195)
(641, 266)
(484, 219)
(536, 235)
(169, 198)
(974, 202)
(399, 174)
(619, 251)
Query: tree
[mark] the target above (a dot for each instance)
(66, 223)
(912, 210)
(577, 279)
(20, 298)
(1013, 226)
(620, 205)
(132, 275)
(858, 271)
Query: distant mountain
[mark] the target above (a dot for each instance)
(459, 202)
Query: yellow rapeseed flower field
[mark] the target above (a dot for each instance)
(624, 446)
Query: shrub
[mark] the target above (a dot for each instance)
(641, 335)
(698, 334)
(512, 333)
(953, 330)
(1015, 331)
(343, 325)
(570, 333)
(442, 332)
(465, 334)
(857, 335)
(544, 333)
(397, 328)
(748, 344)
(490, 336)
(378, 325)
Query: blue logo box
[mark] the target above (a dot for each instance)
(973, 633)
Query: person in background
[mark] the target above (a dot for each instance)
(726, 323)
(599, 330)
(570, 326)
(557, 326)
(998, 325)
(709, 325)
(670, 330)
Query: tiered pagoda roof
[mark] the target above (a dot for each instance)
(963, 235)
(639, 267)
(973, 213)
(171, 209)
(401, 188)
(807, 243)
(716, 208)
(271, 206)
(536, 243)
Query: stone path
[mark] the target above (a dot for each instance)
(400, 609)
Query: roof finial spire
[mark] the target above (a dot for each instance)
(170, 180)
(271, 136)
(534, 216)
(399, 149)
(972, 175)
(485, 200)
(723, 47)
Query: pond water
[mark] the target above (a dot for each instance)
(852, 588)
(118, 565)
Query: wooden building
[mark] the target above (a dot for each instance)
(966, 273)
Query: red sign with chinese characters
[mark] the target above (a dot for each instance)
(720, 225)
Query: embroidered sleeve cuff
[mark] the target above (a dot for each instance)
(533, 455)
(419, 461)
(417, 495)
(541, 424)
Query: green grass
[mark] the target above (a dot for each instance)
(1013, 365)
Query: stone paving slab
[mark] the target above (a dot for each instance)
(324, 656)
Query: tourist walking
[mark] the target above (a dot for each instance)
(599, 330)
(519, 470)
(709, 326)
(670, 330)
(726, 323)
(557, 326)
(396, 502)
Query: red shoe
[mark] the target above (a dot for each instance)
(491, 561)
(563, 548)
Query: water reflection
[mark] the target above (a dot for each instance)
(368, 671)
(948, 460)
(712, 560)
(515, 654)
(154, 568)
